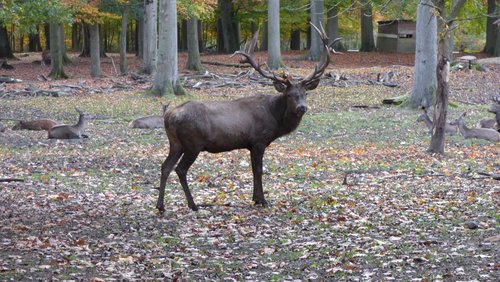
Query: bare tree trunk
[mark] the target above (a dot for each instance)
(441, 109)
(424, 75)
(66, 59)
(229, 27)
(264, 43)
(86, 41)
(5, 48)
(95, 58)
(367, 40)
(491, 29)
(150, 36)
(166, 80)
(201, 44)
(332, 28)
(56, 52)
(123, 43)
(274, 51)
(183, 38)
(46, 29)
(75, 36)
(295, 39)
(317, 18)
(34, 44)
(442, 74)
(193, 61)
(496, 50)
(139, 42)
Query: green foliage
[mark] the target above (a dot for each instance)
(27, 15)
(116, 7)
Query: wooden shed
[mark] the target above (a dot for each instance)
(396, 36)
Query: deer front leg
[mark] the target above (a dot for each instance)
(256, 154)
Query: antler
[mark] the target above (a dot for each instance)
(320, 68)
(248, 58)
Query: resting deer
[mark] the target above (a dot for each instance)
(149, 121)
(38, 124)
(450, 129)
(488, 123)
(250, 123)
(71, 131)
(480, 133)
(495, 109)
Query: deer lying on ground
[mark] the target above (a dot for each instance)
(480, 133)
(495, 109)
(37, 124)
(450, 129)
(488, 123)
(149, 121)
(250, 123)
(71, 131)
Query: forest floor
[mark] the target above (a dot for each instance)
(354, 195)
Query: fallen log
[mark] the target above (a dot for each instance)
(224, 64)
(5, 79)
(11, 180)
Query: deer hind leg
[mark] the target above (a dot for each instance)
(182, 168)
(166, 168)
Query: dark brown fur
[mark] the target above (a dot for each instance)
(248, 123)
(38, 124)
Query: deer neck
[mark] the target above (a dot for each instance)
(287, 120)
(428, 122)
(82, 122)
(464, 130)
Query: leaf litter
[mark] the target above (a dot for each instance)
(354, 196)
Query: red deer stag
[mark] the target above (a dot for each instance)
(247, 123)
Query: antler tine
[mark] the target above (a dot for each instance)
(253, 42)
(320, 68)
(249, 59)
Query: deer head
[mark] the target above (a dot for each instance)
(296, 92)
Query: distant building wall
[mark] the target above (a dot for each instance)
(396, 36)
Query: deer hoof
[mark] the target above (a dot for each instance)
(194, 207)
(261, 202)
(161, 209)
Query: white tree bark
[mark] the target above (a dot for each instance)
(424, 77)
(317, 18)
(274, 42)
(150, 36)
(123, 43)
(95, 55)
(166, 79)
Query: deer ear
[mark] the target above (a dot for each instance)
(310, 85)
(280, 87)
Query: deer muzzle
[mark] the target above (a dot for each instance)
(301, 110)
